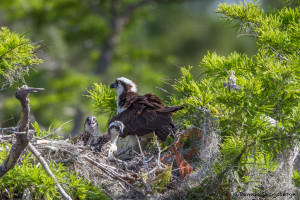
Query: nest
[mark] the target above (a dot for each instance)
(150, 172)
(154, 171)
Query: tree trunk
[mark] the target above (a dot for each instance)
(117, 24)
(23, 135)
(77, 122)
(107, 53)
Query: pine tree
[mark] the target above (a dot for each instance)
(17, 56)
(255, 100)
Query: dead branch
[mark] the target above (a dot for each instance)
(107, 194)
(7, 131)
(22, 140)
(111, 173)
(165, 91)
(47, 169)
(124, 150)
(159, 152)
(147, 185)
(56, 130)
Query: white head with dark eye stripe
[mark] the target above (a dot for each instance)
(123, 84)
(115, 129)
(232, 73)
(91, 125)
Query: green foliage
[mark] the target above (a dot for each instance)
(103, 100)
(17, 56)
(41, 185)
(162, 180)
(269, 82)
(41, 132)
(76, 31)
(296, 178)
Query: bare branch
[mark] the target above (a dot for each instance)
(165, 91)
(147, 185)
(5, 131)
(22, 140)
(47, 169)
(277, 53)
(56, 130)
(124, 150)
(111, 173)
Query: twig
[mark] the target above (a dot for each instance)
(147, 185)
(165, 91)
(159, 152)
(47, 169)
(10, 50)
(58, 129)
(248, 34)
(277, 53)
(7, 130)
(111, 173)
(124, 150)
(107, 194)
(269, 97)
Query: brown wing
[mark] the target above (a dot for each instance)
(85, 136)
(155, 100)
(146, 114)
(126, 97)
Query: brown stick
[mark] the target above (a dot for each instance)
(22, 140)
(47, 169)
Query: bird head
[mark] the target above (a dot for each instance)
(91, 125)
(232, 73)
(115, 129)
(124, 84)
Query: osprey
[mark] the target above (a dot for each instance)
(231, 82)
(142, 115)
(90, 131)
(114, 130)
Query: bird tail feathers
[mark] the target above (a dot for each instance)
(172, 108)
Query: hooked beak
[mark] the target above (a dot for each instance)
(92, 123)
(121, 132)
(113, 85)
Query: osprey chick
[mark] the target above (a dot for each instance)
(142, 115)
(112, 134)
(114, 130)
(90, 131)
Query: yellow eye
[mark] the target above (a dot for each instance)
(118, 82)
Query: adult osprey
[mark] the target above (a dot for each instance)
(142, 115)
